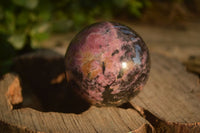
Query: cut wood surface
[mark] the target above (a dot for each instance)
(170, 102)
(94, 119)
(193, 64)
(108, 119)
(171, 97)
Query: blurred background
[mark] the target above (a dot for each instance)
(169, 27)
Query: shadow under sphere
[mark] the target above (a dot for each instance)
(44, 86)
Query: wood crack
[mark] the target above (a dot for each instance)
(162, 126)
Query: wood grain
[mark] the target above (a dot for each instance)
(107, 119)
(26, 119)
(170, 99)
(193, 64)
(169, 102)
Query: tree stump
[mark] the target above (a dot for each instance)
(168, 103)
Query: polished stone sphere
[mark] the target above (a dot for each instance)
(107, 63)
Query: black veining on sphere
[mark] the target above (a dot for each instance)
(122, 58)
(125, 95)
(103, 67)
(109, 98)
(107, 30)
(120, 74)
(115, 52)
(126, 47)
(107, 95)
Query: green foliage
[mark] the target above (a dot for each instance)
(38, 18)
(7, 52)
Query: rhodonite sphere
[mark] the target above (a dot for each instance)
(107, 63)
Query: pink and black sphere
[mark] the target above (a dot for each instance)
(107, 63)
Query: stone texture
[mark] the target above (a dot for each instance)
(107, 63)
